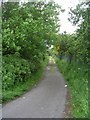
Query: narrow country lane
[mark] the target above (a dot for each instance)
(46, 100)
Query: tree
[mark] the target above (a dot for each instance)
(81, 17)
(27, 31)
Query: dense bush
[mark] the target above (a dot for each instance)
(17, 70)
(11, 91)
(14, 70)
(28, 30)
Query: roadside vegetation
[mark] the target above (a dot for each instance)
(21, 87)
(28, 30)
(73, 59)
(77, 80)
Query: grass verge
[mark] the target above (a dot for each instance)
(21, 88)
(77, 79)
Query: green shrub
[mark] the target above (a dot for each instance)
(11, 91)
(14, 70)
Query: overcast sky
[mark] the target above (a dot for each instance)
(65, 24)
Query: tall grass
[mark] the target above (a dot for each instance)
(77, 79)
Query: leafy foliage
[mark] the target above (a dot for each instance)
(16, 90)
(15, 70)
(81, 17)
(76, 46)
(73, 50)
(28, 29)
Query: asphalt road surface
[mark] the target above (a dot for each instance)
(46, 100)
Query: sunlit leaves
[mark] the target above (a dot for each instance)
(27, 31)
(77, 46)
